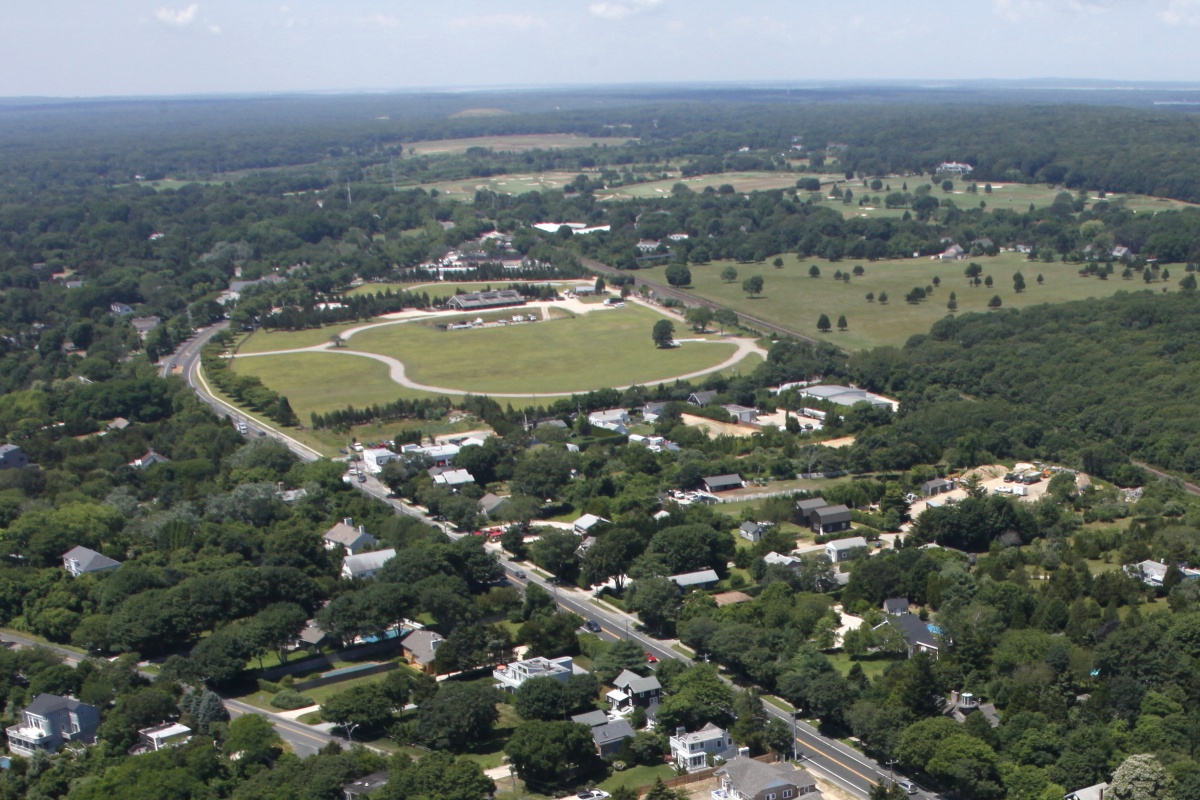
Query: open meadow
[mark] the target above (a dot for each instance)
(512, 144)
(793, 299)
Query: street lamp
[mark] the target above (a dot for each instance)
(795, 749)
(349, 728)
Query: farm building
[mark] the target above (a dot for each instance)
(848, 396)
(723, 483)
(829, 519)
(475, 301)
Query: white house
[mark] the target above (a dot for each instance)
(355, 540)
(49, 722)
(511, 676)
(692, 750)
(170, 734)
(1089, 793)
(365, 565)
(375, 457)
(83, 561)
(742, 414)
(453, 478)
(843, 549)
(586, 523)
(613, 419)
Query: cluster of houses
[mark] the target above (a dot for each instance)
(440, 456)
(52, 722)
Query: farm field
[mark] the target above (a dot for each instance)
(593, 351)
(513, 184)
(792, 298)
(445, 288)
(511, 144)
(741, 181)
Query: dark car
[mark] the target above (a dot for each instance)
(592, 626)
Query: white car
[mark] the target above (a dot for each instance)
(908, 786)
(593, 794)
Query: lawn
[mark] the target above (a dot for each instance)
(637, 777)
(794, 299)
(512, 144)
(594, 351)
(266, 341)
(872, 667)
(444, 288)
(740, 181)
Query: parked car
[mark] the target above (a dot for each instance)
(593, 794)
(908, 786)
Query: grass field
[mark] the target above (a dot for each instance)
(594, 351)
(793, 299)
(443, 288)
(872, 667)
(511, 144)
(741, 181)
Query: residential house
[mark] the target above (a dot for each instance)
(588, 521)
(1096, 792)
(917, 635)
(609, 736)
(83, 561)
(632, 690)
(117, 424)
(51, 721)
(937, 486)
(791, 562)
(743, 778)
(12, 457)
(591, 718)
(963, 704)
(365, 565)
(954, 252)
(647, 245)
(313, 637)
(169, 734)
(452, 478)
(753, 531)
(143, 325)
(693, 751)
(511, 676)
(420, 647)
(1153, 573)
(704, 579)
(441, 455)
(364, 787)
(895, 606)
(375, 457)
(829, 519)
(474, 301)
(723, 483)
(149, 460)
(121, 309)
(743, 415)
(652, 411)
(804, 509)
(344, 534)
(490, 503)
(844, 549)
(955, 168)
(613, 419)
(1121, 252)
(701, 399)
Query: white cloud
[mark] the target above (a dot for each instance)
(381, 21)
(180, 18)
(521, 22)
(1181, 12)
(623, 9)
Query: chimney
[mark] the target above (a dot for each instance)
(348, 522)
(680, 731)
(362, 529)
(743, 752)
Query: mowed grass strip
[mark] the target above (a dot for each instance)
(599, 350)
(513, 144)
(793, 299)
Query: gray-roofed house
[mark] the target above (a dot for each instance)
(313, 637)
(365, 565)
(703, 579)
(692, 751)
(364, 787)
(51, 721)
(421, 648)
(591, 718)
(121, 309)
(512, 676)
(452, 478)
(723, 483)
(609, 736)
(634, 690)
(149, 460)
(937, 486)
(143, 325)
(895, 606)
(586, 523)
(701, 399)
(12, 457)
(829, 519)
(753, 531)
(804, 509)
(353, 539)
(844, 549)
(489, 503)
(1088, 793)
(742, 414)
(743, 778)
(916, 633)
(652, 411)
(84, 561)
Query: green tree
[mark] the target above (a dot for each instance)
(458, 716)
(1140, 777)
(625, 654)
(542, 698)
(753, 286)
(284, 414)
(883, 298)
(699, 317)
(952, 304)
(543, 753)
(777, 263)
(729, 274)
(842, 323)
(1018, 283)
(726, 318)
(656, 601)
(823, 324)
(814, 271)
(254, 738)
(663, 333)
(870, 297)
(364, 710)
(995, 302)
(678, 275)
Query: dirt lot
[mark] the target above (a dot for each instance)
(715, 429)
(992, 478)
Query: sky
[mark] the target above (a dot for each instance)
(85, 48)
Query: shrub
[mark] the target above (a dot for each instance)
(290, 699)
(268, 686)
